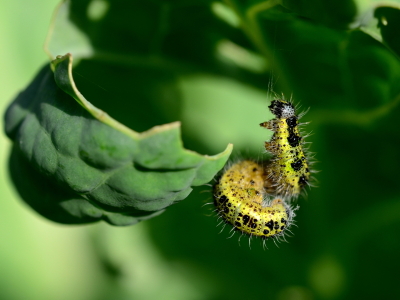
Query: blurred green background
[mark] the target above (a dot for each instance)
(346, 244)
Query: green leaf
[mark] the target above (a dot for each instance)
(95, 167)
(332, 13)
(339, 77)
(389, 22)
(167, 31)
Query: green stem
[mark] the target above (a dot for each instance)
(354, 117)
(250, 24)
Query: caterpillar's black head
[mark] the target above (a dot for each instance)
(282, 109)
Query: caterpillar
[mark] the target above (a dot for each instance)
(289, 169)
(240, 200)
(253, 197)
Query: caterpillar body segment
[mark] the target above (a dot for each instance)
(239, 197)
(289, 169)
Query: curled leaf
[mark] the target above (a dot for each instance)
(73, 163)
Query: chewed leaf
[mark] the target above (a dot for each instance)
(73, 163)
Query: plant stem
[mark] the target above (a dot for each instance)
(251, 26)
(363, 119)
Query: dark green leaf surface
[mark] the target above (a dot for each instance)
(95, 167)
(332, 13)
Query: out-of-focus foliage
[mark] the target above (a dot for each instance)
(73, 163)
(209, 64)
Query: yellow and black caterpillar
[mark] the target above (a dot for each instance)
(289, 169)
(255, 197)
